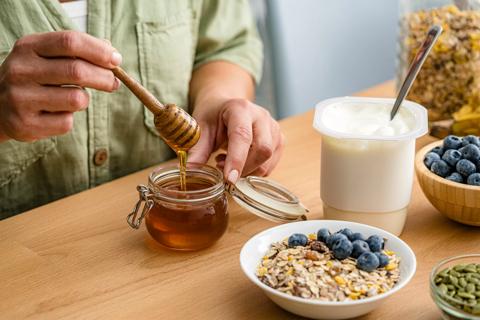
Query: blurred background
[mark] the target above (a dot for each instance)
(316, 49)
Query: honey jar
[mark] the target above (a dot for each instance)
(196, 218)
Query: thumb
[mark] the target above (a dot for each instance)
(200, 152)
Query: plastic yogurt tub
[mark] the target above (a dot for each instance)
(367, 161)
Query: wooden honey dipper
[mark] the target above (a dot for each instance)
(177, 128)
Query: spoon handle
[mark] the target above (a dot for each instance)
(145, 96)
(415, 67)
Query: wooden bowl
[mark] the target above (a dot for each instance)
(457, 201)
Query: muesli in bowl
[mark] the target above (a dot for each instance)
(330, 267)
(333, 273)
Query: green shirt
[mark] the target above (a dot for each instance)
(162, 42)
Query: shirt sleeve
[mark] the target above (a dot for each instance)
(227, 32)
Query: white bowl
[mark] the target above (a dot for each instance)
(255, 248)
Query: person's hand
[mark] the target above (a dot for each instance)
(250, 135)
(34, 101)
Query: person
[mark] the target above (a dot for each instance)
(66, 123)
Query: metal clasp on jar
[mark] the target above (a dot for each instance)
(144, 195)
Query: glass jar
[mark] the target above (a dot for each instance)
(185, 220)
(450, 306)
(449, 82)
(197, 218)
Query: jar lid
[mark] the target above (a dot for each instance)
(267, 199)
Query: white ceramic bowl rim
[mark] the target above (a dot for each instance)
(405, 280)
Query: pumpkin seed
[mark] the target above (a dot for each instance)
(470, 268)
(465, 295)
(461, 282)
(470, 288)
(444, 273)
(443, 288)
(455, 273)
(453, 280)
(459, 267)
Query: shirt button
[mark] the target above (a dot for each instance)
(100, 157)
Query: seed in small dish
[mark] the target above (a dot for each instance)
(460, 286)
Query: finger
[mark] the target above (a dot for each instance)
(76, 44)
(262, 146)
(54, 123)
(266, 168)
(239, 132)
(77, 72)
(200, 152)
(53, 99)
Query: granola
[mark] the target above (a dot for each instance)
(449, 82)
(312, 272)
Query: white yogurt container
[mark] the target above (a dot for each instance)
(367, 161)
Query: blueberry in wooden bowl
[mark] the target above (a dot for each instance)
(448, 172)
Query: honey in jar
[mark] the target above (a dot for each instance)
(190, 219)
(195, 218)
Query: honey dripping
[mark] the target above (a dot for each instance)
(182, 165)
(176, 127)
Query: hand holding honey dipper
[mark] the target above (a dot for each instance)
(251, 137)
(35, 104)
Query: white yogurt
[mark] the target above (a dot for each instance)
(367, 160)
(367, 119)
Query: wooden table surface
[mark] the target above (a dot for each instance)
(77, 258)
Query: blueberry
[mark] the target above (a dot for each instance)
(438, 150)
(465, 167)
(474, 179)
(356, 236)
(342, 248)
(334, 238)
(452, 156)
(375, 243)
(297, 239)
(359, 247)
(346, 232)
(471, 152)
(455, 177)
(382, 258)
(471, 140)
(429, 158)
(441, 168)
(368, 262)
(452, 142)
(323, 234)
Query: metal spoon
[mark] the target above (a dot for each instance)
(415, 67)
